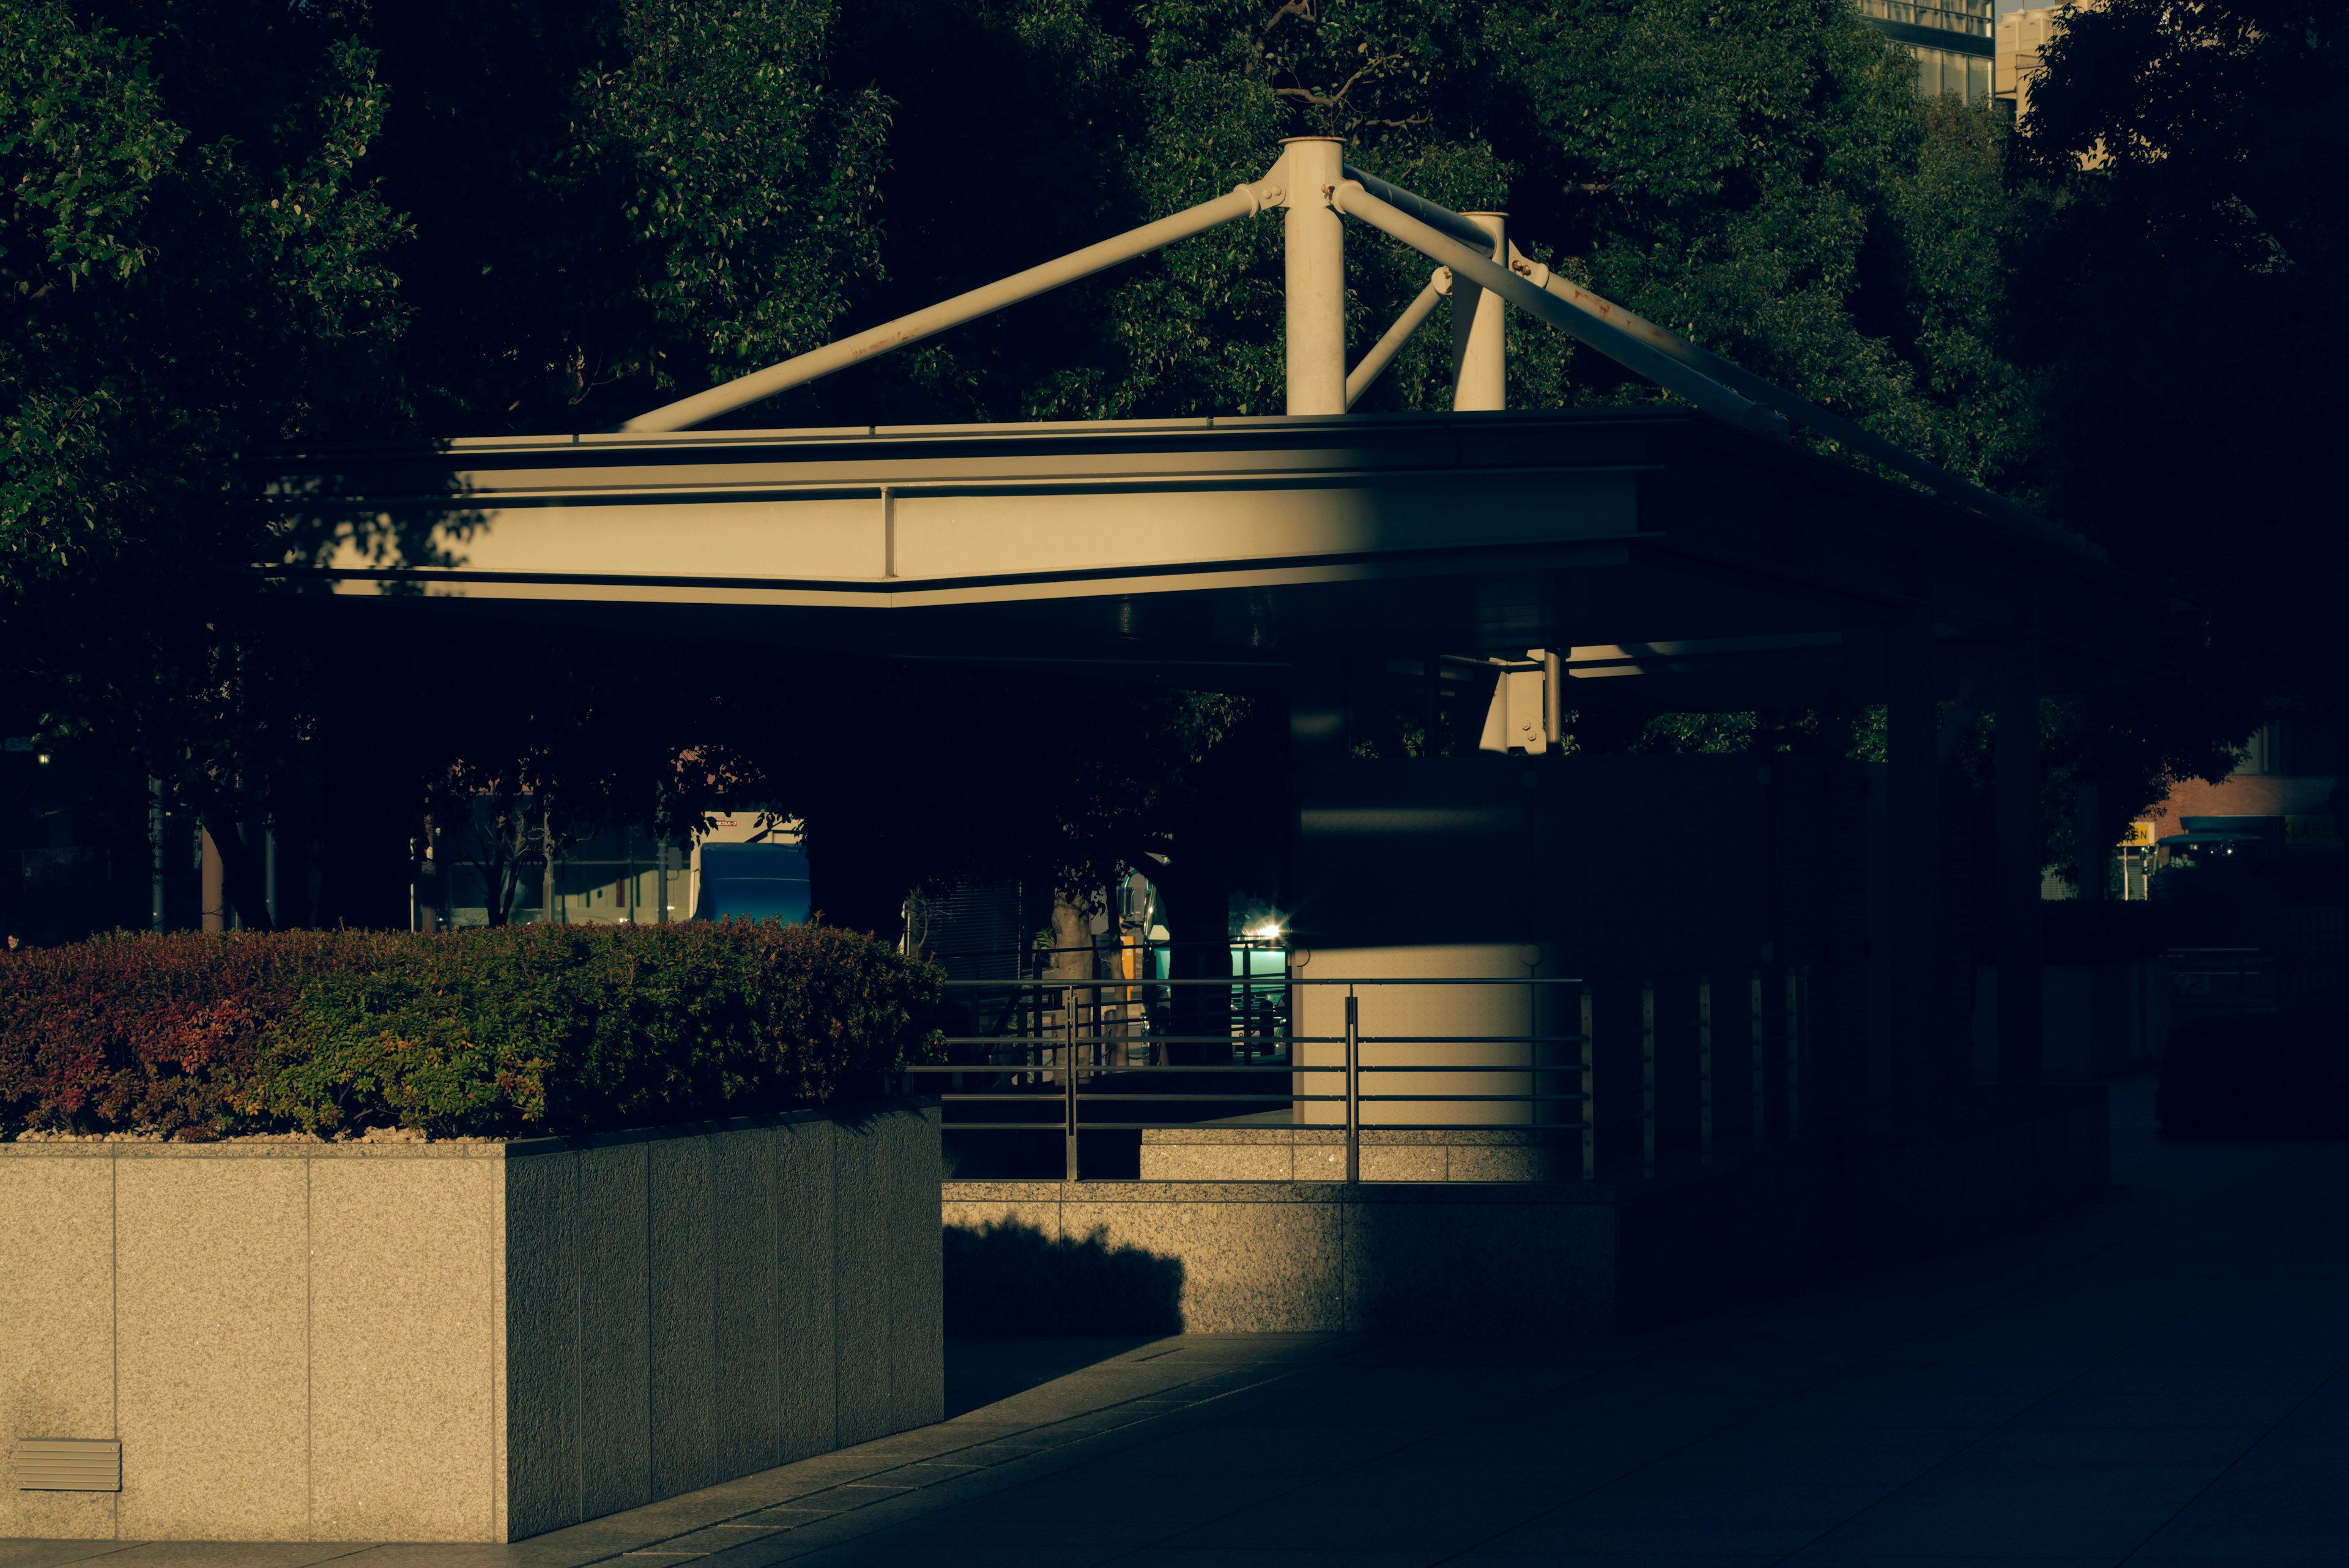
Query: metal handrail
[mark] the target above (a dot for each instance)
(1060, 1069)
(1055, 983)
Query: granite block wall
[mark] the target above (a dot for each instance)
(1453, 1257)
(461, 1342)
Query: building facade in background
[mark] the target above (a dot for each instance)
(2022, 35)
(1953, 41)
(2279, 800)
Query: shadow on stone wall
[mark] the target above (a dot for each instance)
(1011, 1279)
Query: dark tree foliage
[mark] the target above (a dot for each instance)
(233, 222)
(2186, 278)
(191, 265)
(639, 196)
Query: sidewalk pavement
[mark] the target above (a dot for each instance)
(2161, 1376)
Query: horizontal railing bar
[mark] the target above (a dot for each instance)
(1177, 1099)
(1110, 1068)
(1562, 1128)
(1469, 1039)
(1055, 1039)
(1481, 1099)
(1241, 981)
(1238, 981)
(1146, 1068)
(1559, 1127)
(1203, 1095)
(1464, 1067)
(1175, 1096)
(1059, 1097)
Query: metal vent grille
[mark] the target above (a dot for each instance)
(68, 1464)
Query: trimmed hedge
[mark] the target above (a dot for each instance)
(520, 1030)
(2257, 1075)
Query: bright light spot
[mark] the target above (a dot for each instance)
(1264, 931)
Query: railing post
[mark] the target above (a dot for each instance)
(1794, 1054)
(1068, 1072)
(1704, 1067)
(1648, 1077)
(1353, 1086)
(1760, 1071)
(1589, 1090)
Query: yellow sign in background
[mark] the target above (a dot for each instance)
(2309, 830)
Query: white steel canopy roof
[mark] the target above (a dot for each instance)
(1703, 545)
(1227, 540)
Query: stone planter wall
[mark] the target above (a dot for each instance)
(461, 1342)
(1460, 1259)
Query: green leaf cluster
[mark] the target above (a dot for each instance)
(540, 1029)
(231, 224)
(190, 265)
(638, 194)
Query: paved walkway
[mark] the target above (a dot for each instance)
(2161, 1376)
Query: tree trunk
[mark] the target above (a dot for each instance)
(240, 872)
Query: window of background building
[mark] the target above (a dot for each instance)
(1942, 70)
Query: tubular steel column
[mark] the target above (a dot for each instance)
(1793, 1056)
(1589, 1091)
(1479, 330)
(1705, 1068)
(2017, 852)
(1760, 1069)
(1648, 1078)
(1913, 848)
(2092, 862)
(1314, 274)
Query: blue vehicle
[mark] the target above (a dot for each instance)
(753, 882)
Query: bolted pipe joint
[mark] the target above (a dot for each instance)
(1265, 194)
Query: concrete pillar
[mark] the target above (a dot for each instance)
(1430, 671)
(2092, 856)
(1919, 1016)
(1479, 336)
(2016, 863)
(1507, 1014)
(1320, 720)
(1314, 274)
